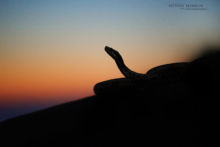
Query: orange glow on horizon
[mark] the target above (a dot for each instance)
(39, 82)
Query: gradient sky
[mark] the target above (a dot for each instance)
(52, 51)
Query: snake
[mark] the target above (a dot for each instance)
(134, 81)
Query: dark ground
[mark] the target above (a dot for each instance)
(167, 114)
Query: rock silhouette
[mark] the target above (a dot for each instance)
(175, 113)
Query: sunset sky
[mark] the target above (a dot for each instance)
(52, 51)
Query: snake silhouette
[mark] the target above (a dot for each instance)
(135, 81)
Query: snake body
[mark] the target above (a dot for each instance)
(133, 80)
(128, 73)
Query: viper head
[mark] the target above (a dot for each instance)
(113, 53)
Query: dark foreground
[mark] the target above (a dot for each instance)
(167, 114)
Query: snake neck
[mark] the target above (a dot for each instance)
(126, 71)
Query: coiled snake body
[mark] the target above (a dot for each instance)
(135, 81)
